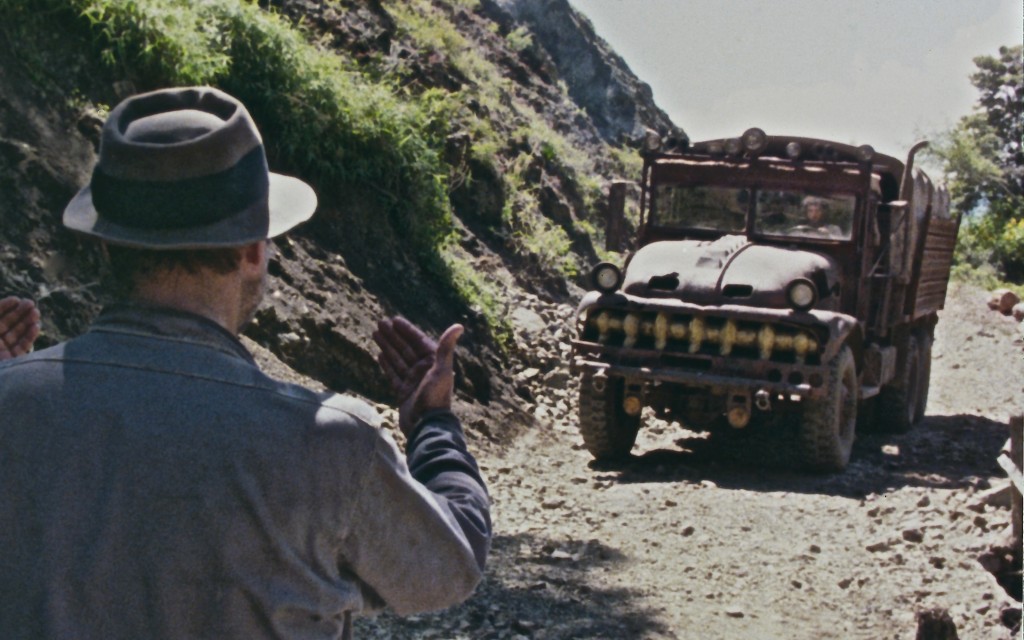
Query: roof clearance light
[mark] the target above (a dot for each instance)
(652, 142)
(733, 146)
(793, 150)
(801, 294)
(754, 140)
(606, 277)
(865, 152)
(677, 142)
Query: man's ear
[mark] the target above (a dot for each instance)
(254, 256)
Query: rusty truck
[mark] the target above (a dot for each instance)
(771, 279)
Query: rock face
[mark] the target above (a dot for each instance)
(46, 150)
(599, 80)
(325, 295)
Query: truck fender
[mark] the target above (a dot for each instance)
(843, 330)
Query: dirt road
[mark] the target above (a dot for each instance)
(695, 538)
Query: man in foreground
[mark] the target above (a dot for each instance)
(157, 484)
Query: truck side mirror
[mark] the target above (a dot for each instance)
(615, 224)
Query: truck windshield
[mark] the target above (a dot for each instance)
(700, 207)
(804, 214)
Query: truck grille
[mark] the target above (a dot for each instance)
(700, 334)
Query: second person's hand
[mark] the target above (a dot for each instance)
(19, 326)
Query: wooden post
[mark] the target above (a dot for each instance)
(616, 222)
(1012, 466)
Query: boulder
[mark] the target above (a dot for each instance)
(1003, 301)
(1018, 312)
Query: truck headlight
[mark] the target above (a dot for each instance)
(801, 294)
(605, 277)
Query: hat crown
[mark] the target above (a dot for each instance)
(176, 134)
(185, 167)
(172, 128)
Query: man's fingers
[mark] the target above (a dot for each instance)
(25, 334)
(418, 343)
(19, 326)
(403, 343)
(390, 357)
(389, 371)
(405, 382)
(8, 315)
(8, 303)
(406, 353)
(419, 369)
(14, 311)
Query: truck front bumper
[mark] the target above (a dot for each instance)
(777, 379)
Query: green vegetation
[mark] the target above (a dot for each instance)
(321, 118)
(984, 277)
(983, 161)
(486, 294)
(519, 39)
(370, 135)
(541, 240)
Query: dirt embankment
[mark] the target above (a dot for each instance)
(695, 538)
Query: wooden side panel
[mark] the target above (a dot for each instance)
(936, 260)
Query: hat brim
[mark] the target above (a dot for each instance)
(290, 202)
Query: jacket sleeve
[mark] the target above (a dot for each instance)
(439, 460)
(420, 530)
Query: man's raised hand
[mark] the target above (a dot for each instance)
(420, 370)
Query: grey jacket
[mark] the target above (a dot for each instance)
(155, 484)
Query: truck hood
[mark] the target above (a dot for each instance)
(729, 270)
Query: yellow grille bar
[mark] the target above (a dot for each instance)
(694, 332)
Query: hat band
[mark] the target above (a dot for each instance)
(191, 202)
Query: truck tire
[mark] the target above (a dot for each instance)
(898, 400)
(828, 425)
(924, 363)
(609, 433)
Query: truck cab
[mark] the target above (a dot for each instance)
(772, 277)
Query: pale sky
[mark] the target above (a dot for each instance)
(878, 72)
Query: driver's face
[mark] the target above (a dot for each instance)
(814, 213)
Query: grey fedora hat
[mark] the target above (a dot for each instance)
(185, 168)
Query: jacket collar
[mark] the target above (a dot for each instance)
(172, 324)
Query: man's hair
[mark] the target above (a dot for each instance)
(129, 266)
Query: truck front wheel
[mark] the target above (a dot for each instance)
(608, 432)
(829, 423)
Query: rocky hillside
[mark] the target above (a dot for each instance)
(540, 115)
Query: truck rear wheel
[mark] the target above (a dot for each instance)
(898, 401)
(828, 424)
(924, 348)
(608, 432)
